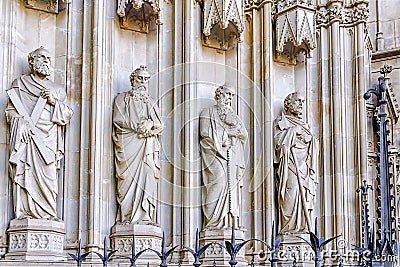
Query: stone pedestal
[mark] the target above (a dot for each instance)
(146, 236)
(36, 240)
(216, 251)
(292, 248)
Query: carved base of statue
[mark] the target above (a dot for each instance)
(36, 240)
(146, 236)
(216, 251)
(293, 248)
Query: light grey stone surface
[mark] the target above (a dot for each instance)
(37, 113)
(296, 154)
(222, 140)
(137, 129)
(92, 59)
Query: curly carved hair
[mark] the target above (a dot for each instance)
(135, 73)
(222, 89)
(289, 100)
(34, 53)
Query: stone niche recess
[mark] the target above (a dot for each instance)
(223, 23)
(295, 28)
(51, 6)
(139, 15)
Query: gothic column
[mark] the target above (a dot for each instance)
(344, 72)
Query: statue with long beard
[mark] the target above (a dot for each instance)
(37, 113)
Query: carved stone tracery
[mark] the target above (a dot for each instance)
(295, 27)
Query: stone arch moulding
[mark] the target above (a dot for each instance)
(139, 15)
(223, 23)
(50, 6)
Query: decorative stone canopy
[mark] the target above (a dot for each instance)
(139, 15)
(51, 6)
(295, 27)
(223, 23)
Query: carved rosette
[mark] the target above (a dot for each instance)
(50, 6)
(295, 27)
(139, 15)
(223, 23)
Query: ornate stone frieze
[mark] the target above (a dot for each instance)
(347, 16)
(124, 245)
(147, 236)
(215, 252)
(223, 23)
(295, 27)
(51, 6)
(30, 239)
(139, 15)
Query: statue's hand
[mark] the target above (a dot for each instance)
(27, 133)
(47, 95)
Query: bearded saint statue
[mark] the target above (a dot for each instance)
(37, 113)
(296, 158)
(136, 134)
(223, 138)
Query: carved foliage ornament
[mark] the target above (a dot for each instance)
(223, 22)
(295, 27)
(251, 4)
(139, 15)
(345, 15)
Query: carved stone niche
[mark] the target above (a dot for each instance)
(223, 23)
(295, 28)
(139, 15)
(51, 6)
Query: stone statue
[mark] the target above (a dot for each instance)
(296, 155)
(137, 129)
(36, 112)
(223, 138)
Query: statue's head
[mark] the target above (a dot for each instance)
(140, 78)
(39, 62)
(293, 105)
(224, 95)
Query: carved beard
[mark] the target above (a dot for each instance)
(295, 112)
(41, 68)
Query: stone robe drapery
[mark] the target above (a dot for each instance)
(296, 153)
(35, 183)
(136, 158)
(221, 196)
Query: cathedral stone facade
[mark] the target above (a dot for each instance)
(172, 124)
